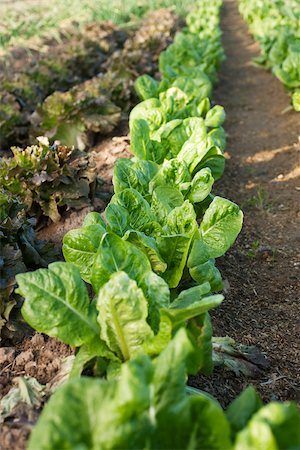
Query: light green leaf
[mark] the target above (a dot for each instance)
(117, 255)
(275, 426)
(148, 245)
(240, 411)
(164, 200)
(140, 213)
(201, 186)
(118, 218)
(180, 229)
(200, 333)
(215, 117)
(95, 348)
(57, 303)
(80, 247)
(123, 310)
(146, 87)
(195, 308)
(93, 218)
(219, 228)
(207, 272)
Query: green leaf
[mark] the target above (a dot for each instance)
(150, 111)
(181, 314)
(240, 411)
(174, 246)
(157, 293)
(215, 117)
(95, 348)
(213, 160)
(140, 213)
(189, 296)
(123, 310)
(207, 272)
(275, 426)
(211, 430)
(219, 228)
(200, 333)
(148, 245)
(57, 303)
(296, 100)
(201, 186)
(91, 405)
(117, 255)
(164, 200)
(80, 247)
(195, 88)
(93, 218)
(117, 218)
(146, 87)
(134, 175)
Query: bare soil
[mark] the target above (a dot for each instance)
(262, 175)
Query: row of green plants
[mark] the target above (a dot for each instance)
(150, 259)
(275, 25)
(45, 180)
(95, 107)
(56, 90)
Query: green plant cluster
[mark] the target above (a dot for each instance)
(37, 182)
(57, 66)
(149, 407)
(275, 25)
(48, 178)
(151, 263)
(20, 249)
(96, 106)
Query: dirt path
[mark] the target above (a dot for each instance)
(262, 175)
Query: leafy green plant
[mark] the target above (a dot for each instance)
(56, 67)
(20, 250)
(158, 413)
(132, 309)
(150, 261)
(94, 107)
(165, 230)
(47, 178)
(275, 24)
(253, 248)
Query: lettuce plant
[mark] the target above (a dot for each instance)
(275, 25)
(132, 309)
(159, 412)
(55, 67)
(165, 229)
(47, 178)
(20, 250)
(94, 107)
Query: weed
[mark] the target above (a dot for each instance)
(261, 200)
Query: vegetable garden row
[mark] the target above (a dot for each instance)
(134, 294)
(275, 24)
